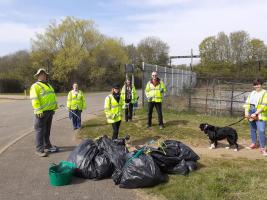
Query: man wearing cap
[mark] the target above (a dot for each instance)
(155, 89)
(113, 109)
(44, 104)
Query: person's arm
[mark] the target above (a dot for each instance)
(69, 100)
(246, 106)
(107, 108)
(262, 105)
(34, 96)
(84, 101)
(123, 95)
(134, 97)
(147, 90)
(163, 87)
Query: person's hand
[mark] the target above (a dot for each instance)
(247, 116)
(40, 115)
(253, 115)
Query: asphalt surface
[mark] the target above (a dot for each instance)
(24, 175)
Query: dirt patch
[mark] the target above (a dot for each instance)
(222, 152)
(144, 140)
(177, 122)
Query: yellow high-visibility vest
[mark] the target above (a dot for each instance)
(43, 97)
(262, 104)
(133, 91)
(113, 109)
(155, 93)
(76, 102)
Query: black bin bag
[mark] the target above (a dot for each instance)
(141, 172)
(173, 156)
(104, 168)
(180, 168)
(183, 152)
(83, 157)
(116, 152)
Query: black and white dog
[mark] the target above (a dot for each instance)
(220, 133)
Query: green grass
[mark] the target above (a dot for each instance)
(220, 179)
(182, 126)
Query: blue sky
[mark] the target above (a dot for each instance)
(183, 24)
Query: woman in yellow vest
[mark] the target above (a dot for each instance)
(76, 103)
(128, 94)
(113, 109)
(256, 113)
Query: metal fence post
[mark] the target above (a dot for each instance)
(172, 81)
(232, 99)
(143, 84)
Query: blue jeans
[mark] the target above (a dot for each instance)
(260, 127)
(75, 116)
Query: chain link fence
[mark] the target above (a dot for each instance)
(187, 90)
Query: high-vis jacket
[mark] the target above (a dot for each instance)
(262, 105)
(133, 92)
(155, 93)
(43, 97)
(113, 109)
(76, 102)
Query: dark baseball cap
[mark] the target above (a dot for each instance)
(116, 86)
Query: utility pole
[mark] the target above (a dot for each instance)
(187, 56)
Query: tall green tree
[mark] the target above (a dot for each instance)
(153, 50)
(75, 50)
(64, 47)
(239, 47)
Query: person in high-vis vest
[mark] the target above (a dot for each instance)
(113, 109)
(44, 104)
(76, 103)
(128, 94)
(155, 90)
(256, 113)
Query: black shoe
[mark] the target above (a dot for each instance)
(148, 126)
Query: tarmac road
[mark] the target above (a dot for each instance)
(24, 175)
(17, 115)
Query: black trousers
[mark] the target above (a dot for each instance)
(129, 112)
(42, 128)
(158, 106)
(116, 127)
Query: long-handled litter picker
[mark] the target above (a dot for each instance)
(63, 106)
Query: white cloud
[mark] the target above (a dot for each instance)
(185, 29)
(16, 32)
(16, 36)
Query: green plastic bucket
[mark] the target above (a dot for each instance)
(61, 174)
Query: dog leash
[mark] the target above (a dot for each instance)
(236, 122)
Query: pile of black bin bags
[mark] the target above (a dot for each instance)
(106, 158)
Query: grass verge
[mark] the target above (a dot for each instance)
(216, 178)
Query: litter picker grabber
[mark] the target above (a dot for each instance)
(63, 106)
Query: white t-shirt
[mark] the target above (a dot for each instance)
(255, 97)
